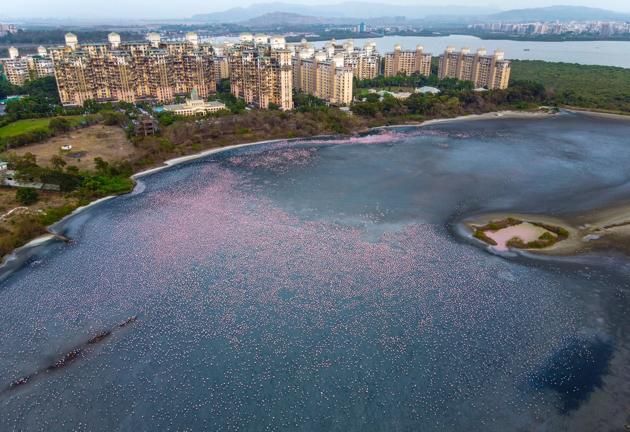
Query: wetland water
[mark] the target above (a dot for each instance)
(320, 285)
(603, 53)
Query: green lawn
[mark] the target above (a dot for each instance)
(22, 126)
(29, 125)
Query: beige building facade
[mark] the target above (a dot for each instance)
(133, 72)
(326, 79)
(328, 73)
(485, 70)
(260, 71)
(20, 69)
(401, 62)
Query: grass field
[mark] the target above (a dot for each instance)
(29, 125)
(23, 126)
(600, 87)
(107, 142)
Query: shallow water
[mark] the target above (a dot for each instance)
(319, 285)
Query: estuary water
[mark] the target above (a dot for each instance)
(319, 285)
(603, 53)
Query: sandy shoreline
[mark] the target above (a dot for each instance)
(183, 159)
(486, 116)
(492, 115)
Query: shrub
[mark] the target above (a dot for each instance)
(481, 235)
(113, 118)
(26, 196)
(498, 225)
(59, 125)
(545, 240)
(547, 236)
(66, 180)
(560, 231)
(55, 214)
(26, 227)
(516, 242)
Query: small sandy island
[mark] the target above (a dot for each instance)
(524, 233)
(604, 229)
(519, 232)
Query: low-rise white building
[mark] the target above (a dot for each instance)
(195, 106)
(396, 95)
(429, 90)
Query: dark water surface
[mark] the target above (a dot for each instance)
(319, 285)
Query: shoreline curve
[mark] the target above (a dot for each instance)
(20, 254)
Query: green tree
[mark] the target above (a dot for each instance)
(26, 196)
(59, 125)
(73, 170)
(223, 86)
(166, 118)
(113, 118)
(57, 162)
(24, 162)
(91, 106)
(101, 166)
(6, 88)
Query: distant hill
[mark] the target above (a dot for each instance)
(356, 11)
(348, 10)
(559, 13)
(283, 18)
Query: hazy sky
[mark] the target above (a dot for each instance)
(185, 8)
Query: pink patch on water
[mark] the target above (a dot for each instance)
(525, 231)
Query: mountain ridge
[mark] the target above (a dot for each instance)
(345, 10)
(355, 11)
(560, 13)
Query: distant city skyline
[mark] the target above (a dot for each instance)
(142, 9)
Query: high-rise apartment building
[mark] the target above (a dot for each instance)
(365, 62)
(221, 59)
(20, 69)
(484, 70)
(260, 70)
(407, 62)
(328, 73)
(326, 78)
(223, 67)
(150, 70)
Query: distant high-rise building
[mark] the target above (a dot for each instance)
(223, 66)
(407, 62)
(484, 70)
(6, 29)
(149, 70)
(20, 69)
